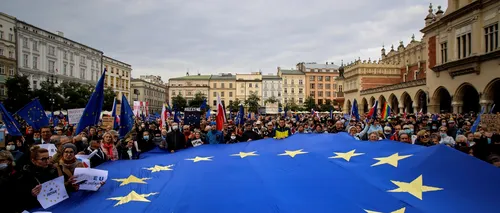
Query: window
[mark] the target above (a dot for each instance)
(221, 94)
(320, 86)
(444, 52)
(52, 50)
(92, 77)
(279, 94)
(82, 75)
(11, 54)
(311, 78)
(464, 44)
(230, 86)
(300, 90)
(25, 60)
(285, 90)
(320, 78)
(230, 94)
(35, 62)
(25, 42)
(71, 56)
(221, 85)
(292, 81)
(215, 102)
(300, 82)
(312, 86)
(65, 69)
(327, 86)
(11, 37)
(320, 94)
(215, 94)
(71, 70)
(256, 85)
(340, 88)
(11, 70)
(491, 38)
(327, 78)
(328, 94)
(2, 69)
(35, 45)
(52, 66)
(1, 35)
(286, 100)
(311, 93)
(82, 61)
(301, 100)
(1, 52)
(293, 90)
(65, 55)
(35, 85)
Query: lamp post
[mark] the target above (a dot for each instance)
(52, 79)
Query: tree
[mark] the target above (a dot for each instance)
(309, 103)
(197, 100)
(18, 92)
(271, 100)
(48, 91)
(109, 97)
(252, 102)
(325, 108)
(76, 95)
(234, 106)
(293, 106)
(179, 102)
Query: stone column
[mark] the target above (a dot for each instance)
(433, 108)
(487, 104)
(401, 109)
(457, 107)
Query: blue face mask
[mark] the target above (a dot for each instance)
(37, 139)
(489, 140)
(145, 137)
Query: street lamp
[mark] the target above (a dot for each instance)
(52, 80)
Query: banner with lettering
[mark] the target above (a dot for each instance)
(52, 192)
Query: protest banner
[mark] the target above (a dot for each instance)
(74, 115)
(90, 179)
(51, 147)
(490, 121)
(52, 192)
(107, 121)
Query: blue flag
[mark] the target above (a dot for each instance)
(92, 112)
(354, 110)
(34, 114)
(203, 104)
(113, 114)
(492, 109)
(126, 117)
(177, 116)
(240, 118)
(207, 116)
(10, 123)
(294, 175)
(477, 121)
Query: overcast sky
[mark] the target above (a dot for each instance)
(170, 37)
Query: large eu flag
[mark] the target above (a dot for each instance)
(10, 123)
(34, 114)
(92, 112)
(192, 117)
(305, 173)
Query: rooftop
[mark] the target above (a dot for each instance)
(223, 76)
(192, 77)
(291, 72)
(271, 77)
(320, 66)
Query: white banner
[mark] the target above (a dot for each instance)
(52, 192)
(74, 115)
(90, 179)
(51, 147)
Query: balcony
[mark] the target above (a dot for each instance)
(392, 87)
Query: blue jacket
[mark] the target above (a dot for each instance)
(215, 137)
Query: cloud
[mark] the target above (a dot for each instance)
(169, 37)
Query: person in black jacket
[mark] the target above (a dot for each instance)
(8, 176)
(128, 152)
(175, 139)
(99, 156)
(249, 134)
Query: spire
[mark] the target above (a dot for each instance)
(392, 46)
(413, 37)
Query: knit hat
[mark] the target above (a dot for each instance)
(69, 145)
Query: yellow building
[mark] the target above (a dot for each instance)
(223, 84)
(247, 84)
(118, 77)
(150, 92)
(188, 86)
(293, 89)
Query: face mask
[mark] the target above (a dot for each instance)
(233, 137)
(146, 137)
(443, 135)
(3, 166)
(443, 124)
(387, 133)
(175, 127)
(36, 139)
(489, 140)
(84, 139)
(10, 147)
(434, 127)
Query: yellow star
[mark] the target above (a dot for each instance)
(415, 188)
(391, 160)
(131, 179)
(132, 196)
(346, 155)
(158, 168)
(293, 153)
(245, 154)
(196, 159)
(401, 210)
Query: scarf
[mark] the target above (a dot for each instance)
(68, 166)
(109, 149)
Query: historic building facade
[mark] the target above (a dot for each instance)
(271, 87)
(118, 77)
(464, 56)
(247, 84)
(152, 93)
(8, 64)
(42, 54)
(293, 88)
(320, 81)
(188, 86)
(224, 85)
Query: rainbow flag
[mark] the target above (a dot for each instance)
(386, 111)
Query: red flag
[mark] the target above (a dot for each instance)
(221, 115)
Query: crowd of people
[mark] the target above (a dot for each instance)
(24, 165)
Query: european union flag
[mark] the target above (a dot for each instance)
(192, 117)
(126, 117)
(34, 114)
(11, 124)
(303, 173)
(113, 114)
(92, 112)
(354, 110)
(203, 104)
(240, 117)
(177, 116)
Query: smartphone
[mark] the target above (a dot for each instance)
(81, 182)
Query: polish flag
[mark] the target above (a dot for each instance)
(163, 122)
(221, 115)
(373, 111)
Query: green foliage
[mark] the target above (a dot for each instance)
(109, 97)
(18, 93)
(293, 106)
(234, 106)
(252, 102)
(271, 100)
(309, 103)
(179, 103)
(197, 100)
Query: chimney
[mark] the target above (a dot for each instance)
(59, 33)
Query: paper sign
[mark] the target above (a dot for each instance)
(52, 192)
(92, 178)
(74, 115)
(51, 147)
(85, 159)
